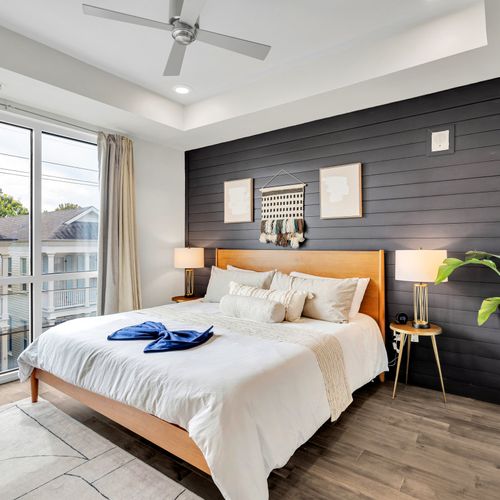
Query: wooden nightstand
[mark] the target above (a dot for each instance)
(183, 298)
(405, 331)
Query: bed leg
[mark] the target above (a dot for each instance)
(34, 388)
(381, 377)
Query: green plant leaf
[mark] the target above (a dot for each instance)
(488, 307)
(478, 254)
(447, 267)
(450, 264)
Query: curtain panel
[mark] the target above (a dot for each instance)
(118, 277)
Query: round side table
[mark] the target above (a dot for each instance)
(405, 331)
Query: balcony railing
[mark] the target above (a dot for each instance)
(68, 298)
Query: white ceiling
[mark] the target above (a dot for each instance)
(297, 30)
(328, 57)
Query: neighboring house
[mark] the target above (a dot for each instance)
(69, 244)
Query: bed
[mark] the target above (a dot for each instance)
(220, 407)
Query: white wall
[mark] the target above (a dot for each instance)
(159, 174)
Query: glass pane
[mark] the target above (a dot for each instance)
(14, 324)
(63, 300)
(15, 199)
(70, 205)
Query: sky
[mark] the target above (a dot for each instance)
(69, 169)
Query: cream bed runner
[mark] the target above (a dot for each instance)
(326, 348)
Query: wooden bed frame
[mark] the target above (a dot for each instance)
(328, 263)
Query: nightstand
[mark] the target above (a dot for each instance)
(405, 332)
(183, 298)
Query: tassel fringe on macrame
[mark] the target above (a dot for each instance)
(282, 232)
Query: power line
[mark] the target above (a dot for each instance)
(67, 180)
(49, 162)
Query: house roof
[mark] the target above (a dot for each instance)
(73, 224)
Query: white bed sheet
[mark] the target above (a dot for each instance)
(248, 403)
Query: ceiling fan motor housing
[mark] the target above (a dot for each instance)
(183, 33)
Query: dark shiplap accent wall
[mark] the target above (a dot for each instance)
(410, 200)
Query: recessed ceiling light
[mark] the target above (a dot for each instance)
(182, 89)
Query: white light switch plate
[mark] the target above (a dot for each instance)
(440, 141)
(414, 338)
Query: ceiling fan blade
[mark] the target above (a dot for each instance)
(91, 10)
(174, 63)
(175, 7)
(191, 11)
(245, 47)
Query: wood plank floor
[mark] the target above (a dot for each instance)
(412, 447)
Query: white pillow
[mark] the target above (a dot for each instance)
(332, 298)
(281, 281)
(218, 286)
(291, 299)
(358, 294)
(267, 284)
(254, 308)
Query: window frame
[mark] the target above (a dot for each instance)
(35, 278)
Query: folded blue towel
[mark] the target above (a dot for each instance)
(163, 339)
(148, 330)
(179, 340)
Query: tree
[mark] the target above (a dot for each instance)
(67, 206)
(9, 207)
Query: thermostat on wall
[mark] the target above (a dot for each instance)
(441, 140)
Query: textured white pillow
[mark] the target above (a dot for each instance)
(267, 284)
(281, 281)
(358, 294)
(291, 299)
(254, 308)
(332, 298)
(218, 286)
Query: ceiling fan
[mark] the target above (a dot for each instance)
(184, 25)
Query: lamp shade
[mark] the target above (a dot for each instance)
(189, 258)
(418, 265)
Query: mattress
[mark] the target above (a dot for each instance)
(246, 402)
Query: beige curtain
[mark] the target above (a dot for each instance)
(118, 279)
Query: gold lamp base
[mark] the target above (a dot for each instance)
(189, 282)
(420, 305)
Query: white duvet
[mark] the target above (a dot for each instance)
(247, 403)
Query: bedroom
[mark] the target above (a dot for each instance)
(135, 171)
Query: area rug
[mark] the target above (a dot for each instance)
(45, 454)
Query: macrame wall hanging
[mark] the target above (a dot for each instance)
(282, 213)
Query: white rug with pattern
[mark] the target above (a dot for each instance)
(45, 454)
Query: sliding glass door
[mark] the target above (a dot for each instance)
(15, 242)
(49, 213)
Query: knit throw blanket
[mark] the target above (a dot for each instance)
(326, 348)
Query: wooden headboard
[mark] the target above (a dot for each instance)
(328, 263)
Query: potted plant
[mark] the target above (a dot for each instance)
(473, 257)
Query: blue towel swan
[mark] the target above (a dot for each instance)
(163, 339)
(179, 340)
(149, 330)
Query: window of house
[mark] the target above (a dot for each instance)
(55, 198)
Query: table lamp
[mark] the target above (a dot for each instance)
(421, 267)
(189, 259)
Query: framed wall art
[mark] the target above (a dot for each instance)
(238, 201)
(340, 191)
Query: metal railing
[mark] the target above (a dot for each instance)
(63, 299)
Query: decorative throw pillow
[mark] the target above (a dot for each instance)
(254, 308)
(281, 281)
(291, 299)
(218, 286)
(267, 284)
(358, 294)
(332, 298)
